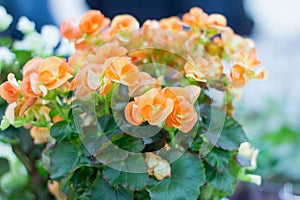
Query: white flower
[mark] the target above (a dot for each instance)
(5, 19)
(256, 179)
(50, 35)
(6, 56)
(25, 25)
(246, 150)
(32, 42)
(65, 48)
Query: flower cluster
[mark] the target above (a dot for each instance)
(200, 49)
(172, 106)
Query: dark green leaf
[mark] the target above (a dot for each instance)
(65, 157)
(101, 190)
(232, 133)
(4, 166)
(128, 142)
(142, 195)
(218, 159)
(223, 181)
(62, 131)
(132, 181)
(187, 175)
(108, 125)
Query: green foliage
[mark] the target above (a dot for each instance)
(187, 176)
(102, 190)
(63, 131)
(66, 157)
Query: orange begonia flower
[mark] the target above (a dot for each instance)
(40, 134)
(107, 50)
(201, 68)
(132, 114)
(53, 72)
(10, 90)
(238, 75)
(184, 115)
(173, 23)
(154, 107)
(216, 20)
(93, 21)
(195, 17)
(30, 84)
(190, 93)
(69, 29)
(144, 83)
(123, 23)
(121, 70)
(88, 79)
(248, 59)
(151, 106)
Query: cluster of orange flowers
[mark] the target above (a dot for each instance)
(173, 106)
(99, 62)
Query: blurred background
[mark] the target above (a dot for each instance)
(269, 110)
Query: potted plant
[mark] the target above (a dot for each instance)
(139, 112)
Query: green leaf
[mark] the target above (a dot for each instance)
(128, 142)
(65, 157)
(231, 137)
(22, 56)
(223, 181)
(108, 125)
(101, 190)
(142, 195)
(4, 166)
(187, 175)
(132, 181)
(4, 123)
(219, 159)
(5, 41)
(62, 131)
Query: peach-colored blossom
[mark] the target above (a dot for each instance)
(88, 79)
(154, 107)
(105, 51)
(216, 20)
(151, 106)
(248, 59)
(201, 68)
(92, 22)
(190, 93)
(10, 90)
(144, 83)
(53, 72)
(195, 17)
(132, 114)
(183, 115)
(121, 70)
(173, 23)
(238, 75)
(40, 134)
(122, 23)
(70, 29)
